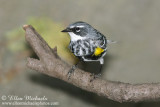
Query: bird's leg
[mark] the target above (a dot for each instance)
(100, 70)
(72, 70)
(97, 75)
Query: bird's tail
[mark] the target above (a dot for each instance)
(111, 41)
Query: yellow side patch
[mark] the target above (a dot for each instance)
(98, 51)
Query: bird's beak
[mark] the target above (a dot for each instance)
(66, 30)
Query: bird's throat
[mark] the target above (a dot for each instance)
(75, 37)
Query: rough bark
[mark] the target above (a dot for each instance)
(50, 64)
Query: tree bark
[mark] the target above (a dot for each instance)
(51, 64)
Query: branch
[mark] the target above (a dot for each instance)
(50, 64)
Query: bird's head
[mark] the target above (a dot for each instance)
(79, 30)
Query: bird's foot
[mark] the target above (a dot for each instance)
(71, 71)
(95, 76)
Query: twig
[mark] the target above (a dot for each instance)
(50, 64)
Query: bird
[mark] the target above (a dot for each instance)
(86, 43)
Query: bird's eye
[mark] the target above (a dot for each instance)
(77, 29)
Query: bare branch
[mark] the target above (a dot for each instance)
(35, 64)
(53, 66)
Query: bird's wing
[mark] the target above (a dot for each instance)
(87, 47)
(100, 46)
(102, 42)
(95, 47)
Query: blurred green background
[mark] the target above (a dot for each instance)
(135, 58)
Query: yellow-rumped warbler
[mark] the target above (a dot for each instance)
(86, 43)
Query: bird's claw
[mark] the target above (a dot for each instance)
(95, 76)
(71, 71)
